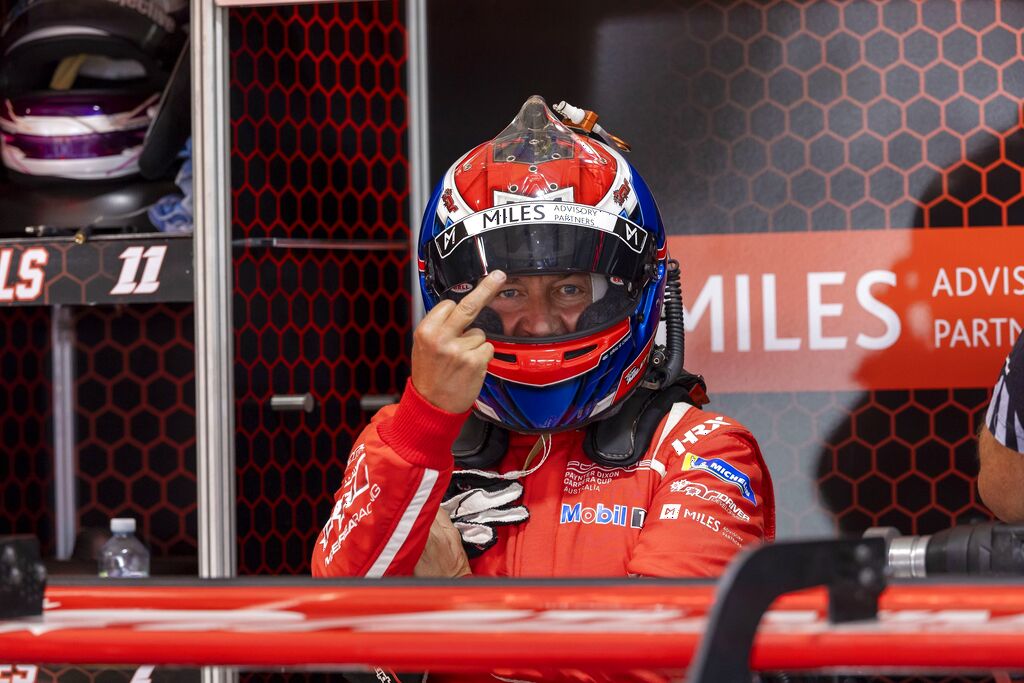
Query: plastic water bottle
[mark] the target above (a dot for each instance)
(123, 556)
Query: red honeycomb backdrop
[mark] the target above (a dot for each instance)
(838, 116)
(26, 470)
(76, 674)
(107, 674)
(319, 125)
(135, 412)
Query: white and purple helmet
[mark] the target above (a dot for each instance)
(80, 84)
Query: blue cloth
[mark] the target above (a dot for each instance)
(173, 213)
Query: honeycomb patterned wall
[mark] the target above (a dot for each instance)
(135, 412)
(839, 116)
(26, 470)
(319, 127)
(849, 461)
(114, 674)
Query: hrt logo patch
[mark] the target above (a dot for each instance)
(700, 430)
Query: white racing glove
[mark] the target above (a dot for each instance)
(478, 502)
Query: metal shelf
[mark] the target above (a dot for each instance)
(303, 243)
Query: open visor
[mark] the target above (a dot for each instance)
(572, 268)
(541, 237)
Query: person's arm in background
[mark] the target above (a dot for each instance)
(1001, 478)
(387, 506)
(1000, 440)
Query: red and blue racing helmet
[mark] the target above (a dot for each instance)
(578, 232)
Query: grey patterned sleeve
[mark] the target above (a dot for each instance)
(1005, 410)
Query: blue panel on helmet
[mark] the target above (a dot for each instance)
(544, 407)
(430, 219)
(650, 217)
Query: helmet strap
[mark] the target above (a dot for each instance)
(622, 439)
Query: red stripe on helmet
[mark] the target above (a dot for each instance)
(550, 363)
(634, 372)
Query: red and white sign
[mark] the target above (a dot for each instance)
(879, 309)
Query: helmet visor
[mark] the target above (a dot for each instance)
(572, 268)
(554, 306)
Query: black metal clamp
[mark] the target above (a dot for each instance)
(22, 577)
(853, 571)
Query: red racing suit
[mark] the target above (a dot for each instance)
(699, 494)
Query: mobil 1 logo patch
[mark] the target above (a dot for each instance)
(602, 515)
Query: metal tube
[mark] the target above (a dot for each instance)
(215, 405)
(371, 403)
(341, 245)
(419, 135)
(215, 396)
(303, 402)
(62, 340)
(907, 557)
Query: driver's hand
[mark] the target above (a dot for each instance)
(449, 358)
(444, 556)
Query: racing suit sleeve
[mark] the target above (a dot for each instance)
(392, 488)
(706, 507)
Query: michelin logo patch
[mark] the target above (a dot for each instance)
(723, 471)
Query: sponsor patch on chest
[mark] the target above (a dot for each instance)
(603, 515)
(587, 476)
(722, 470)
(699, 490)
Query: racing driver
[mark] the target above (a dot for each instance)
(543, 432)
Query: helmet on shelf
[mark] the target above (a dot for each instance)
(80, 82)
(578, 232)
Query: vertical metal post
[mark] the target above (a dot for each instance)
(215, 402)
(419, 133)
(215, 405)
(62, 355)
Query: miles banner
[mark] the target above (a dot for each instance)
(874, 309)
